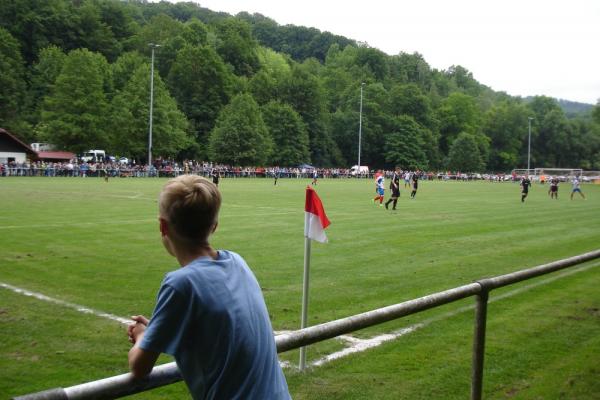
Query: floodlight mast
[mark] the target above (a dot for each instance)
(360, 128)
(152, 47)
(529, 146)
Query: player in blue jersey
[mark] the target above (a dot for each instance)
(379, 188)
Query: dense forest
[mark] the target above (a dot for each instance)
(245, 90)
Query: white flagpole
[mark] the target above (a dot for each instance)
(305, 298)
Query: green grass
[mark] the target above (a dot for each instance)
(97, 244)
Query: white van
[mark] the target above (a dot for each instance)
(93, 156)
(42, 147)
(356, 170)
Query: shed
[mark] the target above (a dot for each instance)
(13, 149)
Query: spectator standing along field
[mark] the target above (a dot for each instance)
(210, 313)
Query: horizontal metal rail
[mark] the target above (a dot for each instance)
(124, 385)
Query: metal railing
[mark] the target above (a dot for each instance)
(124, 385)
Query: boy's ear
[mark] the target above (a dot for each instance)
(214, 228)
(163, 226)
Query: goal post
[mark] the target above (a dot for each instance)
(566, 172)
(555, 172)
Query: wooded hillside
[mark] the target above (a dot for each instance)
(245, 90)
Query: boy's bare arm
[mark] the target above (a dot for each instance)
(141, 361)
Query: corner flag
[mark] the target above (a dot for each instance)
(315, 219)
(315, 222)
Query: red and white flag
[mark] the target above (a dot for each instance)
(315, 219)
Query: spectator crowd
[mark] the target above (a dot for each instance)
(170, 168)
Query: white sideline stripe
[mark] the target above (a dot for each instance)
(76, 307)
(360, 345)
(135, 221)
(79, 224)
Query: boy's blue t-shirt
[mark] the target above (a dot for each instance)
(211, 316)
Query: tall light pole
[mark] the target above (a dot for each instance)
(360, 128)
(152, 47)
(529, 145)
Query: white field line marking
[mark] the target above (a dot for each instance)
(134, 221)
(79, 224)
(76, 307)
(359, 345)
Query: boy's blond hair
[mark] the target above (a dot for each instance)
(190, 204)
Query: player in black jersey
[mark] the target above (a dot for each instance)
(395, 189)
(553, 191)
(215, 176)
(415, 185)
(525, 184)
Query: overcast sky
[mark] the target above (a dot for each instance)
(522, 47)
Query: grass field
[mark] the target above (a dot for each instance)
(96, 244)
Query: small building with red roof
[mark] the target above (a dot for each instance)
(55, 156)
(13, 149)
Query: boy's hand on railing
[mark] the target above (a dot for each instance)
(137, 328)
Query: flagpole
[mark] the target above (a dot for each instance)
(305, 299)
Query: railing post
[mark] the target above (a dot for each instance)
(479, 342)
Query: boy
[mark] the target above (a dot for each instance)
(210, 314)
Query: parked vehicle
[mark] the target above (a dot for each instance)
(356, 170)
(93, 156)
(42, 147)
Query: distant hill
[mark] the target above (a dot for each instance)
(570, 108)
(573, 107)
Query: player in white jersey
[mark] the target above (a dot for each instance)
(576, 188)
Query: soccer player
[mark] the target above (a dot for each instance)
(553, 190)
(379, 188)
(210, 314)
(576, 188)
(395, 188)
(406, 179)
(315, 177)
(525, 184)
(215, 176)
(415, 185)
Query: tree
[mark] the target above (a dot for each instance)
(464, 154)
(240, 136)
(304, 93)
(124, 67)
(411, 68)
(410, 100)
(130, 118)
(458, 113)
(202, 85)
(506, 125)
(596, 113)
(43, 77)
(12, 78)
(166, 32)
(12, 84)
(74, 114)
(404, 147)
(289, 134)
(237, 46)
(550, 131)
